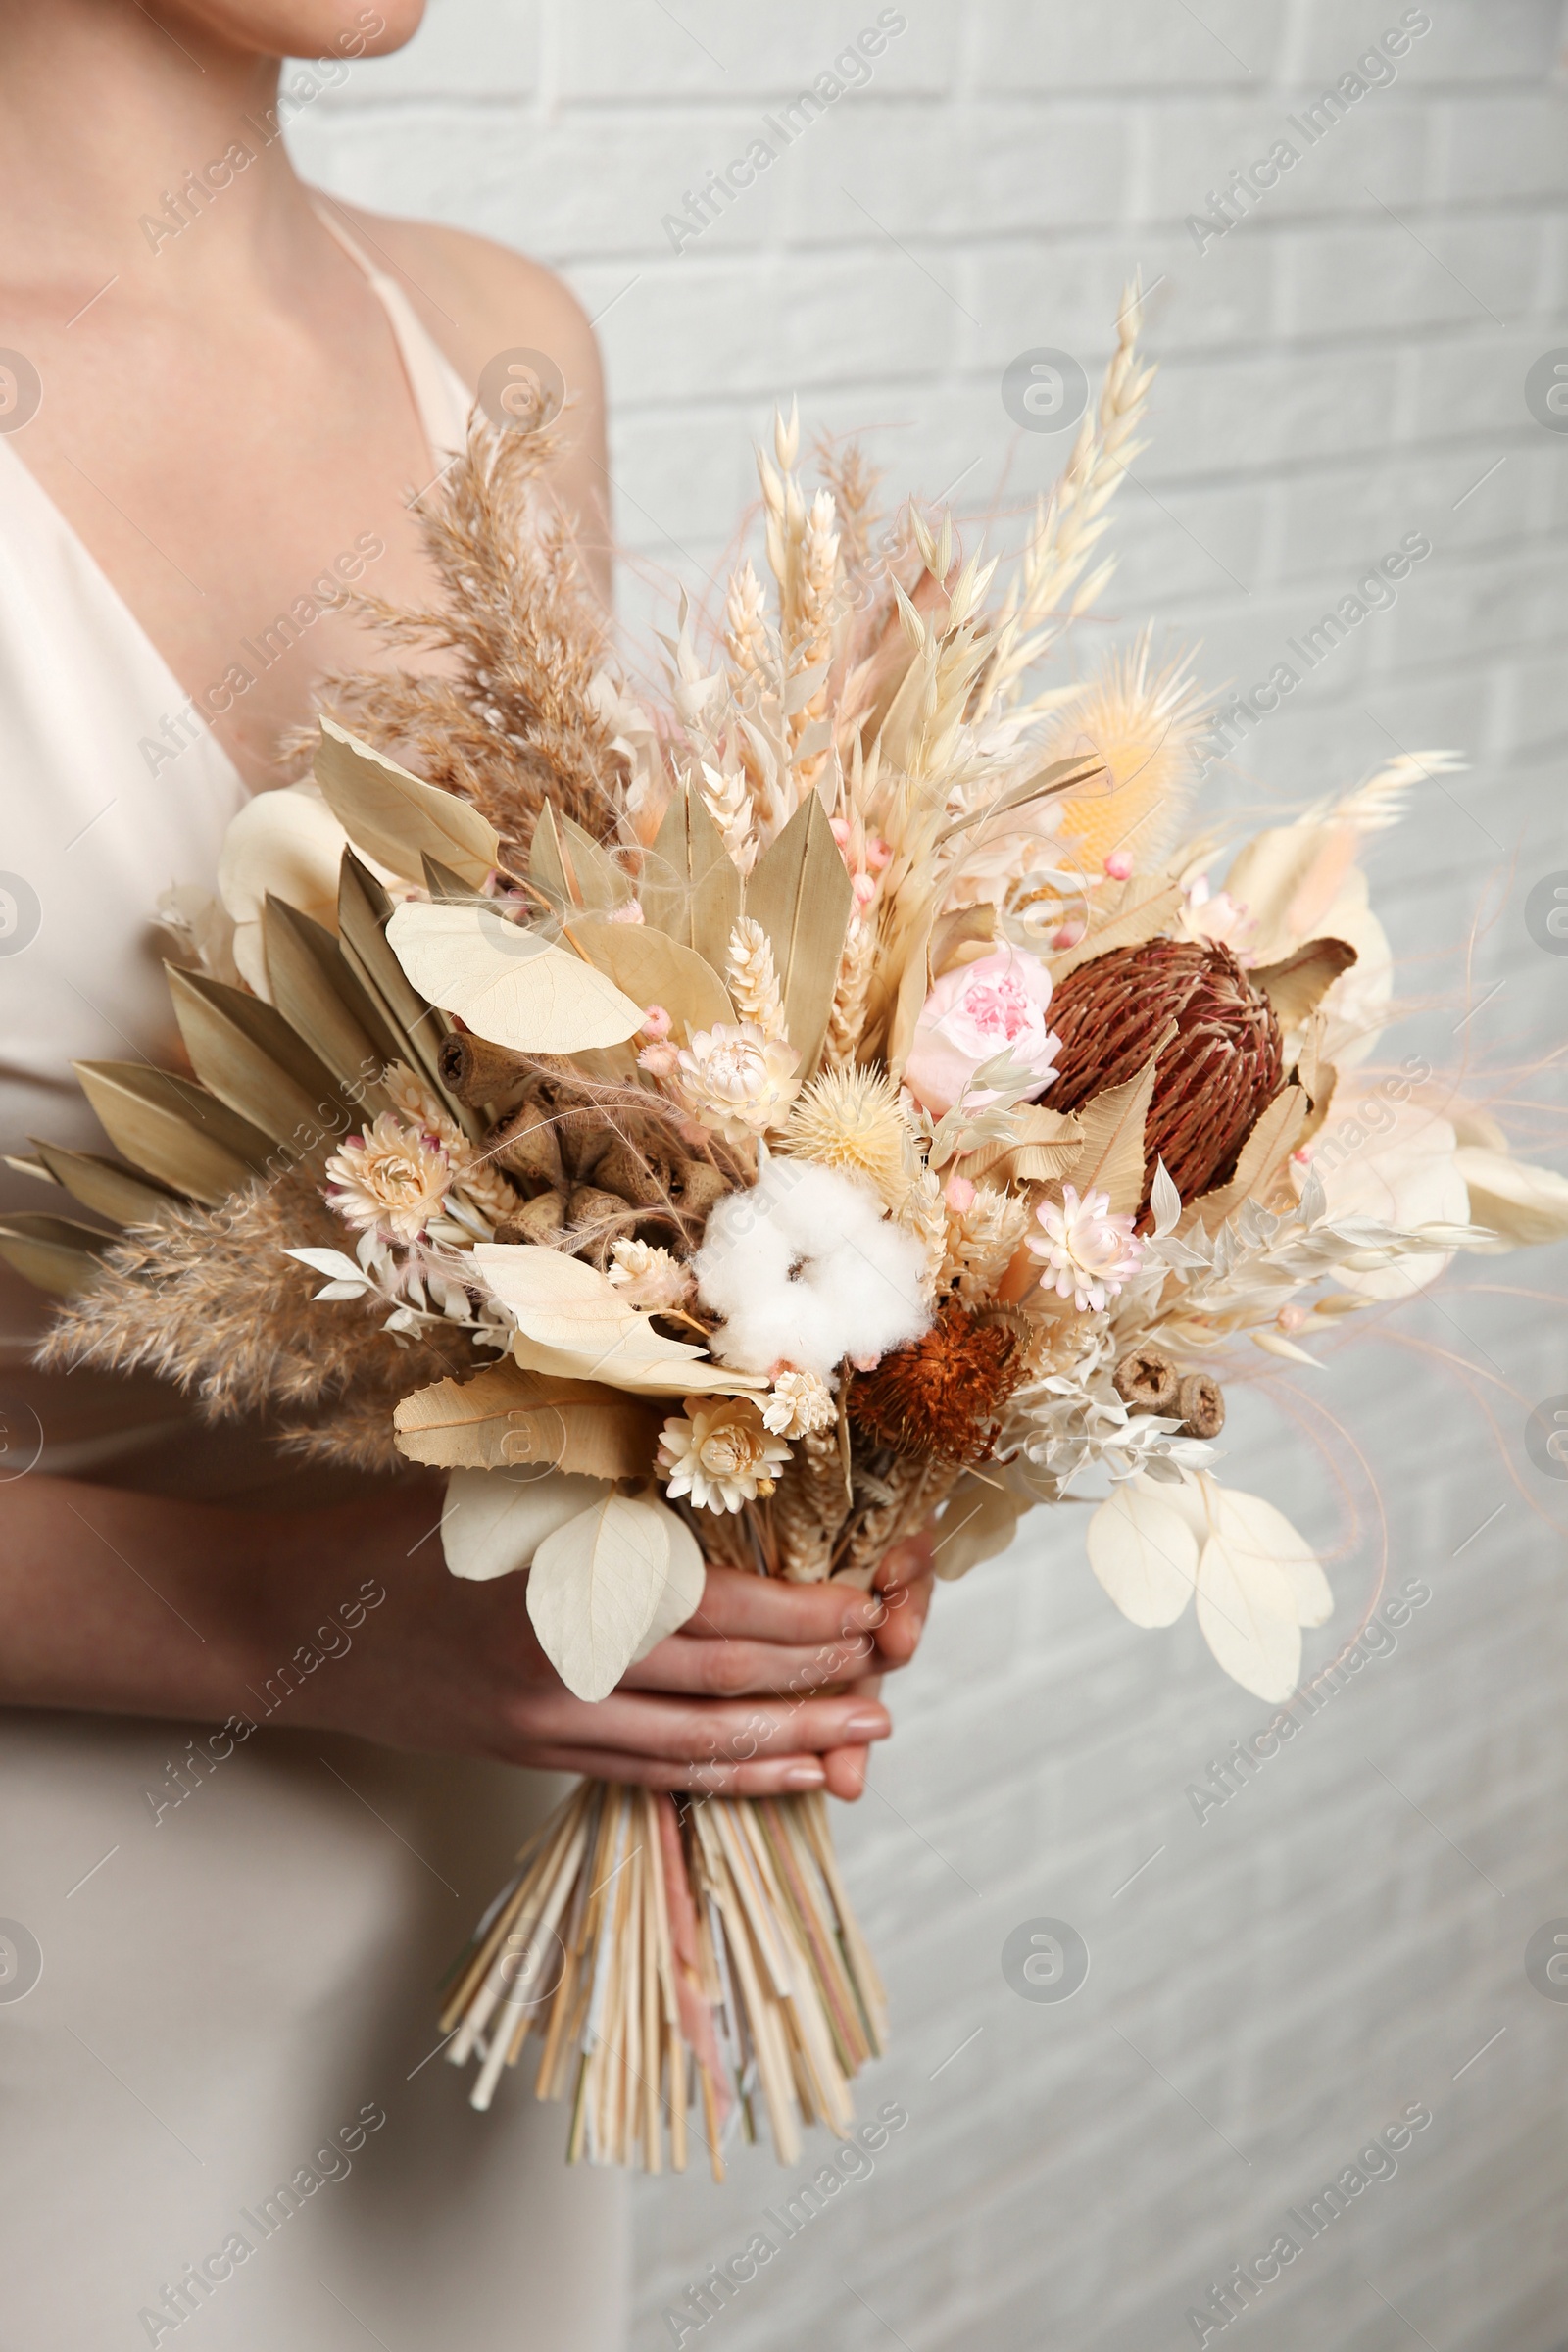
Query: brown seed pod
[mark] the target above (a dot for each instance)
(644, 1182)
(1223, 1066)
(1201, 1402)
(699, 1186)
(538, 1222)
(526, 1145)
(1147, 1381)
(942, 1394)
(477, 1071)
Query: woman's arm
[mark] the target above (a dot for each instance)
(118, 1602)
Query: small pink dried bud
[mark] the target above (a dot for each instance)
(959, 1195)
(864, 888)
(659, 1060)
(657, 1023)
(1292, 1318)
(1118, 865)
(1068, 935)
(839, 828)
(877, 853)
(863, 1363)
(1303, 1158)
(628, 912)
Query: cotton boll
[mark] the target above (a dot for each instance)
(806, 1270)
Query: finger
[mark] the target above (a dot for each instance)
(728, 1732)
(728, 1669)
(773, 1776)
(897, 1637)
(766, 1608)
(846, 1769)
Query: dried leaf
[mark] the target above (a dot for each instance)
(1111, 1153)
(1048, 1142)
(53, 1253)
(507, 983)
(1273, 1136)
(688, 1576)
(1520, 1204)
(691, 888)
(324, 1005)
(574, 1321)
(1247, 1613)
(547, 865)
(505, 1416)
(107, 1186)
(980, 1520)
(1143, 1553)
(599, 1583)
(601, 883)
(799, 892)
(652, 968)
(364, 911)
(244, 1052)
(1147, 906)
(492, 1523)
(1296, 986)
(174, 1129)
(395, 818)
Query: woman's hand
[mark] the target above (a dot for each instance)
(767, 1688)
(124, 1604)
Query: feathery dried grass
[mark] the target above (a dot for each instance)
(207, 1299)
(515, 722)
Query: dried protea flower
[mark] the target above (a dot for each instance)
(942, 1395)
(1224, 1064)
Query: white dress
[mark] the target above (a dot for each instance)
(236, 1986)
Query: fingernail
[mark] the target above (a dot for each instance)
(869, 1724)
(804, 1775)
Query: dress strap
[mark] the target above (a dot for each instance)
(440, 395)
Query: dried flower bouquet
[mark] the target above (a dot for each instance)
(833, 1103)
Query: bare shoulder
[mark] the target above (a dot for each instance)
(478, 298)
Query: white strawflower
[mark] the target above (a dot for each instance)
(806, 1270)
(649, 1277)
(721, 1455)
(390, 1179)
(800, 1402)
(1091, 1251)
(737, 1081)
(418, 1105)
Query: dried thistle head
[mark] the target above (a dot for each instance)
(943, 1396)
(850, 1119)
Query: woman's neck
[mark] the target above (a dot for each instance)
(115, 127)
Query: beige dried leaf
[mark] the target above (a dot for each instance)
(650, 967)
(1110, 1156)
(506, 1417)
(603, 1582)
(491, 1525)
(508, 984)
(398, 819)
(799, 892)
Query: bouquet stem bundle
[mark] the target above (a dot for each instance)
(669, 1953)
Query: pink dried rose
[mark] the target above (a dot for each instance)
(973, 1013)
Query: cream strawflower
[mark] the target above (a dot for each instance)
(721, 1455)
(736, 1081)
(1090, 1250)
(800, 1403)
(389, 1179)
(649, 1277)
(418, 1105)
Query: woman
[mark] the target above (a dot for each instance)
(217, 391)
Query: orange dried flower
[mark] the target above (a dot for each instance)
(941, 1395)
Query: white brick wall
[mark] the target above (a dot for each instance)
(1341, 369)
